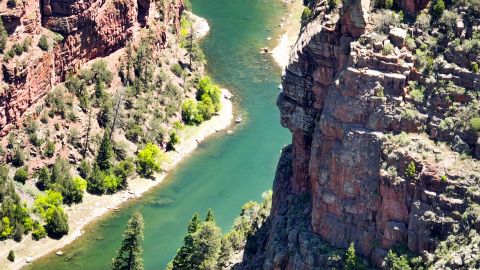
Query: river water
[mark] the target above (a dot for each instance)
(224, 172)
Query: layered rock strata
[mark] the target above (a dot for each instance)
(366, 164)
(78, 31)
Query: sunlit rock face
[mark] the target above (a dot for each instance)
(84, 30)
(346, 178)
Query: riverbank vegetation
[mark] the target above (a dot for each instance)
(204, 246)
(109, 122)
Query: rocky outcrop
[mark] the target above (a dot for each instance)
(79, 31)
(347, 177)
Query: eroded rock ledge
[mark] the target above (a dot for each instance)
(368, 162)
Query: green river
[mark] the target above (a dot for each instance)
(225, 171)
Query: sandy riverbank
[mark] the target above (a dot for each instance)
(93, 207)
(290, 24)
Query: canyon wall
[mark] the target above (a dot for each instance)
(368, 163)
(77, 31)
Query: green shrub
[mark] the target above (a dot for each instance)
(173, 140)
(177, 69)
(38, 231)
(49, 149)
(18, 157)
(43, 43)
(11, 256)
(21, 175)
(388, 49)
(475, 67)
(190, 112)
(439, 7)
(410, 171)
(333, 3)
(149, 160)
(475, 124)
(306, 15)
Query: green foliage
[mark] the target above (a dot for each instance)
(173, 140)
(388, 49)
(439, 7)
(190, 114)
(43, 43)
(18, 157)
(401, 260)
(57, 224)
(208, 89)
(3, 37)
(177, 70)
(85, 169)
(182, 259)
(60, 179)
(111, 183)
(96, 181)
(475, 124)
(49, 150)
(210, 216)
(417, 92)
(101, 73)
(123, 170)
(149, 160)
(49, 207)
(21, 175)
(306, 15)
(129, 256)
(333, 3)
(350, 258)
(11, 256)
(38, 231)
(45, 204)
(105, 152)
(410, 170)
(474, 67)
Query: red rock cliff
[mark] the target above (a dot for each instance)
(84, 30)
(348, 176)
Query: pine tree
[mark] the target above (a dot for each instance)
(210, 216)
(129, 256)
(182, 259)
(350, 258)
(206, 245)
(105, 152)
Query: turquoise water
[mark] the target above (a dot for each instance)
(226, 171)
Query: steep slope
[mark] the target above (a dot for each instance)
(79, 31)
(384, 138)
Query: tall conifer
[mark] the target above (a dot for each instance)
(129, 256)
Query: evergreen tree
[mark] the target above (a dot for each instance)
(350, 258)
(129, 256)
(206, 246)
(105, 152)
(57, 224)
(210, 216)
(182, 259)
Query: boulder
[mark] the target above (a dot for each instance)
(397, 36)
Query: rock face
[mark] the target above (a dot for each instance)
(347, 177)
(84, 30)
